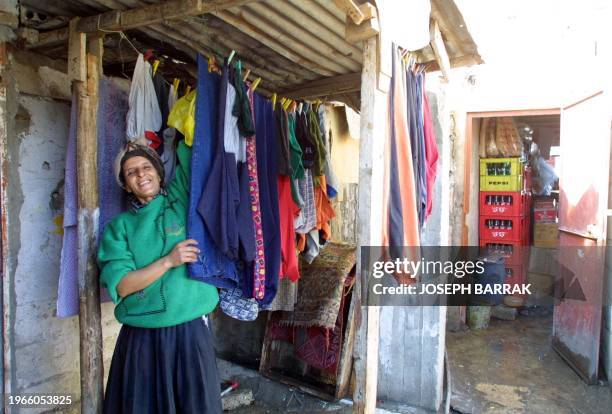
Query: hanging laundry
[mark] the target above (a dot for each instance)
(68, 288)
(295, 155)
(288, 212)
(317, 139)
(168, 157)
(231, 141)
(282, 133)
(330, 176)
(144, 113)
(182, 116)
(242, 107)
(417, 143)
(112, 107)
(400, 218)
(304, 139)
(324, 209)
(259, 267)
(307, 217)
(431, 151)
(221, 195)
(212, 267)
(162, 91)
(267, 172)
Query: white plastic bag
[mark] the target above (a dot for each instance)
(144, 113)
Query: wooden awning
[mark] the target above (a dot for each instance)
(297, 47)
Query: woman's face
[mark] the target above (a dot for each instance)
(141, 178)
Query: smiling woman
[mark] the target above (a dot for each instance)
(142, 257)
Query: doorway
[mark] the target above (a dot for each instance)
(517, 363)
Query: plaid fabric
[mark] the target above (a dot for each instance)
(307, 219)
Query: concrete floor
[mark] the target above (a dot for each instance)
(510, 367)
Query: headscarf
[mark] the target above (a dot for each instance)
(137, 148)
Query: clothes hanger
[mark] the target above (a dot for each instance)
(246, 76)
(274, 101)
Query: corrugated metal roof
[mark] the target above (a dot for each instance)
(287, 42)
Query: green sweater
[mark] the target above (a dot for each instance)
(135, 239)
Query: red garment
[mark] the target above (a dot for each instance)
(288, 212)
(431, 153)
(154, 141)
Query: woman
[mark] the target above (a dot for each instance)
(164, 360)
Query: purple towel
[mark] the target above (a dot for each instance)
(68, 289)
(112, 108)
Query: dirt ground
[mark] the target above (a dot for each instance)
(510, 367)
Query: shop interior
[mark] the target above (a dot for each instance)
(508, 339)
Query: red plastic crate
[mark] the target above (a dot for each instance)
(502, 204)
(504, 228)
(515, 253)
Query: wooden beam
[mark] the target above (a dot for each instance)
(371, 175)
(90, 328)
(368, 28)
(155, 13)
(437, 44)
(326, 86)
(281, 44)
(77, 67)
(351, 9)
(51, 38)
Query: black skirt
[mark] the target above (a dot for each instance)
(164, 370)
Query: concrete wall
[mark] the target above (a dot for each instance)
(43, 354)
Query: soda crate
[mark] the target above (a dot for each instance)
(515, 275)
(501, 166)
(514, 253)
(502, 203)
(504, 228)
(501, 182)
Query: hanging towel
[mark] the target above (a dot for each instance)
(112, 106)
(144, 113)
(68, 288)
(212, 267)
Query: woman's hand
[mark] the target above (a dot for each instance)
(184, 252)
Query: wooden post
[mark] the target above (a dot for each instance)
(90, 328)
(371, 152)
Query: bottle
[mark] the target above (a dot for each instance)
(496, 225)
(509, 224)
(502, 224)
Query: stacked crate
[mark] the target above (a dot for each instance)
(504, 209)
